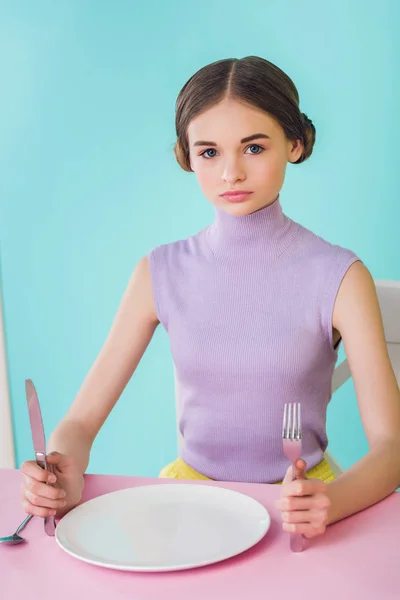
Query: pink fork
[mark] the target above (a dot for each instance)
(291, 437)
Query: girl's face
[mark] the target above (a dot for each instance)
(235, 147)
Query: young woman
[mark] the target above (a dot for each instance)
(255, 306)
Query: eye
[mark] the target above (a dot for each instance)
(209, 153)
(255, 149)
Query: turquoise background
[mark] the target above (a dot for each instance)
(88, 181)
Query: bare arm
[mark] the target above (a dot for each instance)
(357, 316)
(130, 334)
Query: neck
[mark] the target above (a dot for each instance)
(266, 231)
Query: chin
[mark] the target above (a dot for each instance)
(239, 209)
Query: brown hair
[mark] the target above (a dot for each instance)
(253, 80)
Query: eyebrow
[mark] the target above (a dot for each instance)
(250, 138)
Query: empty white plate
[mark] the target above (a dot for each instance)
(164, 527)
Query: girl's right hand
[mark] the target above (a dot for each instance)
(62, 495)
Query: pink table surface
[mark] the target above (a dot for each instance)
(356, 558)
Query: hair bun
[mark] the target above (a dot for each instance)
(308, 137)
(306, 120)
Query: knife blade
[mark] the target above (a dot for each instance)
(39, 442)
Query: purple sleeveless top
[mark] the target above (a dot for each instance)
(247, 304)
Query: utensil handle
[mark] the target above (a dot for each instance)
(49, 522)
(296, 539)
(25, 522)
(296, 542)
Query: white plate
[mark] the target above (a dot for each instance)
(163, 527)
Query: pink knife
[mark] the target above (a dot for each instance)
(39, 442)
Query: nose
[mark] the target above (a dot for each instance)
(233, 171)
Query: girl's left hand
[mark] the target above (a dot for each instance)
(304, 503)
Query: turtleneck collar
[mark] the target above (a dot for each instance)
(267, 231)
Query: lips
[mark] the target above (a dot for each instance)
(236, 196)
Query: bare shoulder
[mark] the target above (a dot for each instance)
(139, 292)
(356, 295)
(141, 270)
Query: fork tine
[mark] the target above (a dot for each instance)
(294, 421)
(284, 426)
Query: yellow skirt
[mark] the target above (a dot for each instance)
(180, 470)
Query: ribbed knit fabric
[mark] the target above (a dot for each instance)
(247, 304)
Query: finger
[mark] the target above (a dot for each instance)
(54, 462)
(38, 511)
(305, 487)
(301, 466)
(32, 469)
(41, 501)
(54, 457)
(305, 529)
(42, 489)
(317, 501)
(314, 517)
(288, 476)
